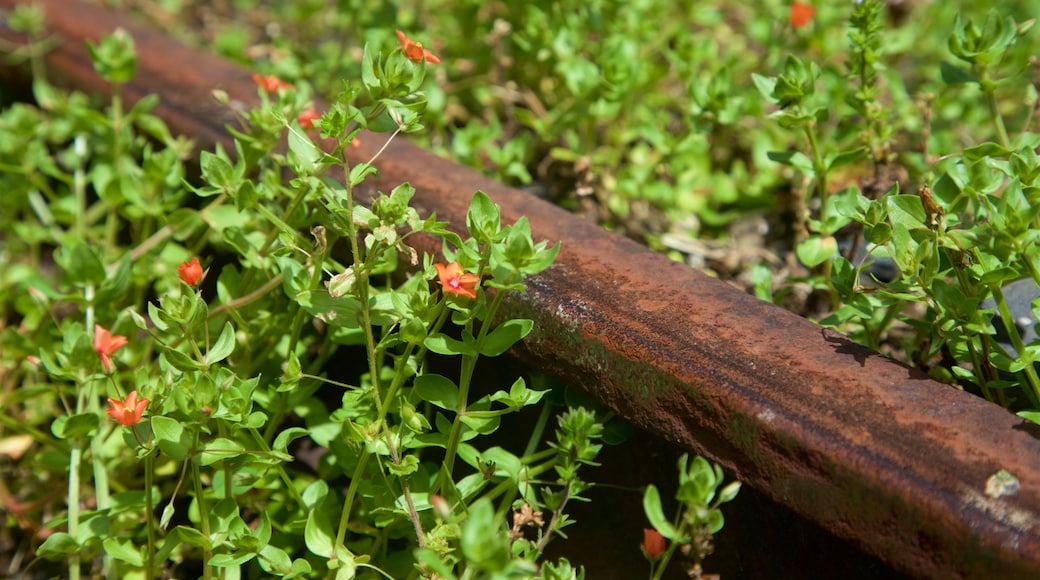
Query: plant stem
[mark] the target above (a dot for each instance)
(469, 363)
(207, 552)
(101, 490)
(149, 516)
(993, 107)
(75, 455)
(1016, 341)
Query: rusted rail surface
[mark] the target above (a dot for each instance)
(865, 447)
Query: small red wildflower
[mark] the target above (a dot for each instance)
(455, 281)
(307, 118)
(106, 345)
(127, 412)
(801, 14)
(271, 83)
(415, 51)
(653, 543)
(191, 272)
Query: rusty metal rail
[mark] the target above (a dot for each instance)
(867, 448)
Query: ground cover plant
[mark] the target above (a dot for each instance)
(867, 164)
(291, 389)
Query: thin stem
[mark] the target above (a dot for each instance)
(207, 554)
(75, 456)
(101, 489)
(994, 108)
(248, 298)
(1016, 341)
(149, 515)
(469, 363)
(348, 500)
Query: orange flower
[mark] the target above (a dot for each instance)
(127, 412)
(106, 345)
(653, 543)
(415, 51)
(455, 281)
(191, 272)
(271, 83)
(307, 118)
(801, 14)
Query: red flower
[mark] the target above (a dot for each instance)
(307, 118)
(653, 543)
(271, 83)
(801, 14)
(191, 272)
(106, 345)
(455, 281)
(127, 412)
(415, 51)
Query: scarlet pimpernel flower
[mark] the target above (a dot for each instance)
(127, 412)
(415, 51)
(653, 543)
(191, 272)
(455, 281)
(271, 83)
(105, 344)
(307, 118)
(801, 14)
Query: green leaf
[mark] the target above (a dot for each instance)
(282, 441)
(715, 521)
(304, 152)
(216, 169)
(1033, 416)
(519, 396)
(57, 546)
(765, 85)
(955, 75)
(1000, 275)
(171, 437)
(227, 560)
(482, 545)
(317, 534)
(368, 76)
(114, 57)
(275, 560)
(484, 218)
(443, 344)
(796, 159)
(123, 549)
(987, 149)
(437, 390)
(816, 250)
(906, 210)
(408, 465)
(315, 494)
(81, 263)
(76, 426)
(359, 172)
(846, 157)
(224, 345)
(193, 537)
(181, 361)
(220, 449)
(654, 513)
(506, 335)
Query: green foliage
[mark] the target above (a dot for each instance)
(219, 382)
(699, 516)
(967, 234)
